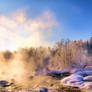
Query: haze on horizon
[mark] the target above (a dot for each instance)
(43, 22)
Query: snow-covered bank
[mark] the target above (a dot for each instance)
(81, 78)
(71, 79)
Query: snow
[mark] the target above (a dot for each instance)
(88, 68)
(79, 71)
(80, 78)
(72, 79)
(87, 85)
(88, 72)
(88, 78)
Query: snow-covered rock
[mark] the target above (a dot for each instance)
(87, 85)
(88, 68)
(71, 80)
(79, 84)
(88, 78)
(80, 77)
(88, 73)
(74, 70)
(79, 71)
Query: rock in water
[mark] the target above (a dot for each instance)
(4, 83)
(44, 90)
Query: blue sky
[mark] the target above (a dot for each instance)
(73, 16)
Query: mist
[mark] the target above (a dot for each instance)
(18, 29)
(19, 65)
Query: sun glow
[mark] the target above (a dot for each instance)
(19, 31)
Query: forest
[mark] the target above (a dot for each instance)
(63, 55)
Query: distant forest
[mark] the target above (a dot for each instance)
(64, 54)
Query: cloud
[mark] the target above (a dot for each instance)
(19, 16)
(19, 31)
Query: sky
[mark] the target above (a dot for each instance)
(25, 23)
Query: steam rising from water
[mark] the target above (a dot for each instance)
(16, 30)
(13, 70)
